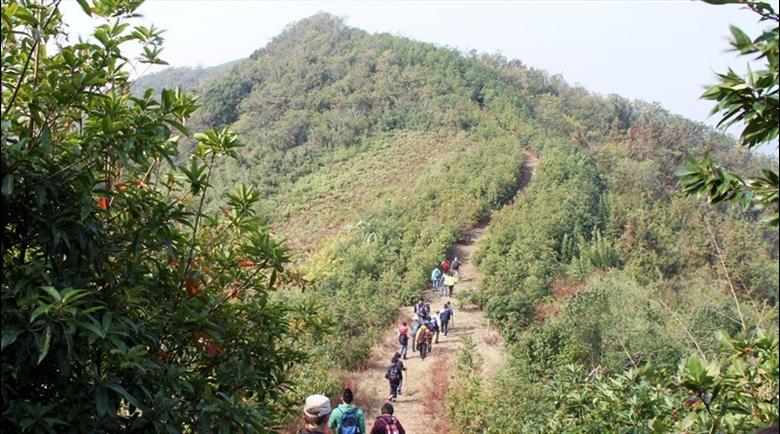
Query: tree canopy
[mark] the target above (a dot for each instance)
(125, 307)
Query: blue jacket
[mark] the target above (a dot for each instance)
(435, 274)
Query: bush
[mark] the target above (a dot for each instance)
(125, 307)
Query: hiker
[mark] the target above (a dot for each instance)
(387, 423)
(444, 318)
(316, 410)
(449, 283)
(436, 279)
(423, 339)
(395, 376)
(418, 308)
(415, 327)
(435, 325)
(425, 311)
(445, 266)
(403, 339)
(448, 306)
(346, 418)
(454, 267)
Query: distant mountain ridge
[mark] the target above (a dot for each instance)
(187, 77)
(321, 88)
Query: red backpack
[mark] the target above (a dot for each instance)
(392, 427)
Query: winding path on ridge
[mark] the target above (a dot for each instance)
(419, 408)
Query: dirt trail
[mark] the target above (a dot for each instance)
(417, 408)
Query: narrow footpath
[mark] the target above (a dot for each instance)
(419, 407)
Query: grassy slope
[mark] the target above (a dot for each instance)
(318, 205)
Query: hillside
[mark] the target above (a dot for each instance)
(321, 91)
(373, 153)
(187, 78)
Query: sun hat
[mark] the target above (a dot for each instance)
(317, 405)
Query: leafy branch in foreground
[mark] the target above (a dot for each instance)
(125, 307)
(753, 100)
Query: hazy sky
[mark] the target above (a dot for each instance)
(664, 51)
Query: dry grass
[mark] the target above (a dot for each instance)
(490, 337)
(362, 400)
(564, 288)
(317, 206)
(435, 392)
(545, 311)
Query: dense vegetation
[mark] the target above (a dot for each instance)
(370, 154)
(125, 308)
(619, 315)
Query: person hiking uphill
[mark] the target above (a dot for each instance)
(395, 376)
(415, 326)
(403, 339)
(434, 326)
(346, 418)
(316, 410)
(418, 307)
(387, 423)
(454, 266)
(436, 283)
(445, 266)
(449, 283)
(444, 318)
(425, 311)
(423, 339)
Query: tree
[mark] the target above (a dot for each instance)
(753, 100)
(125, 307)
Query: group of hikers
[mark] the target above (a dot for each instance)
(423, 333)
(346, 418)
(444, 277)
(426, 327)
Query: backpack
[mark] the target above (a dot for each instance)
(392, 374)
(349, 422)
(392, 427)
(403, 339)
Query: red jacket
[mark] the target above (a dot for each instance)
(386, 421)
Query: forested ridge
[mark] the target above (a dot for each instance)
(369, 155)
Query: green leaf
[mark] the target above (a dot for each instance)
(121, 390)
(52, 292)
(101, 402)
(741, 40)
(9, 337)
(85, 7)
(40, 310)
(92, 327)
(44, 350)
(8, 185)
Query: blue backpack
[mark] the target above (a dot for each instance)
(349, 422)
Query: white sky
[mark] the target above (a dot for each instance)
(664, 51)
